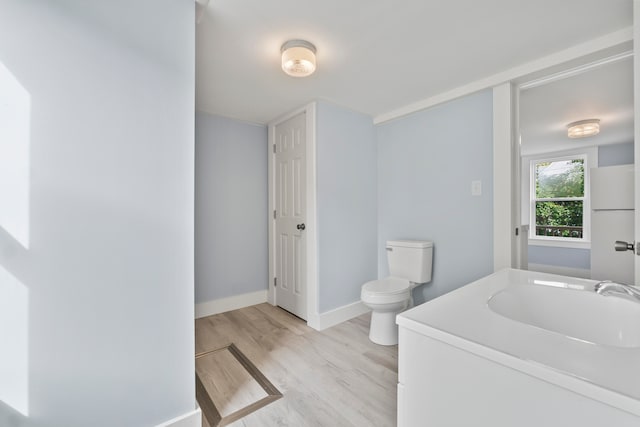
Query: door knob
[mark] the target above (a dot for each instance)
(301, 226)
(623, 246)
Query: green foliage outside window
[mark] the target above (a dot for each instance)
(560, 179)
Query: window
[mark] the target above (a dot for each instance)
(559, 200)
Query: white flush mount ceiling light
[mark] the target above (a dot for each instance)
(583, 128)
(298, 58)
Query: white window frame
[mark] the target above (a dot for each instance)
(590, 156)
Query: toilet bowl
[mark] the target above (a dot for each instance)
(386, 298)
(410, 265)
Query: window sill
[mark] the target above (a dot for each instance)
(559, 243)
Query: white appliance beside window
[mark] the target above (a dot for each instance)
(612, 219)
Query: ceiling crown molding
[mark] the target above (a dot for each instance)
(611, 40)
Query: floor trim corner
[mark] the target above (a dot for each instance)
(235, 302)
(341, 314)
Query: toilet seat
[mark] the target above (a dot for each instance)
(386, 291)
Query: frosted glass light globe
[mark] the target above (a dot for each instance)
(298, 58)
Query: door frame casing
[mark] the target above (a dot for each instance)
(505, 179)
(311, 282)
(636, 131)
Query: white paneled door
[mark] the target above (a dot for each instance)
(290, 214)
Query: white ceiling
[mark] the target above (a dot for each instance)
(375, 56)
(604, 92)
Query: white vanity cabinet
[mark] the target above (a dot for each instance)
(460, 364)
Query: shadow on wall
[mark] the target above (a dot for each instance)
(10, 417)
(15, 116)
(96, 215)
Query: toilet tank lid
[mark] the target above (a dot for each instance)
(410, 243)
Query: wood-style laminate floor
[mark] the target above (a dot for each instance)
(336, 377)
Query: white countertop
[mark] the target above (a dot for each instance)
(463, 319)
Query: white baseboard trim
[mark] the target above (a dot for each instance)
(190, 419)
(565, 271)
(221, 305)
(313, 321)
(339, 315)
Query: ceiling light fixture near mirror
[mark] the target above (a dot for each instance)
(583, 128)
(298, 58)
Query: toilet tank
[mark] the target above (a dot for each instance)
(410, 259)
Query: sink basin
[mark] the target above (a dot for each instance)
(578, 314)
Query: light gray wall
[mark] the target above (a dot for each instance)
(368, 179)
(608, 155)
(615, 154)
(346, 204)
(231, 208)
(102, 283)
(560, 257)
(426, 162)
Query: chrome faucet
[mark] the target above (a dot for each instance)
(608, 287)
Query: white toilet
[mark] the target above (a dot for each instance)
(410, 265)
